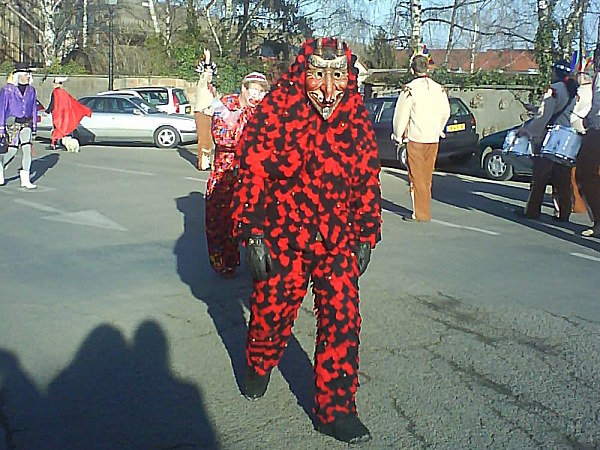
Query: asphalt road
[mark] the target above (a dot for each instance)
(480, 330)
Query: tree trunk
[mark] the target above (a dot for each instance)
(474, 39)
(244, 30)
(544, 43)
(417, 26)
(153, 16)
(451, 33)
(84, 25)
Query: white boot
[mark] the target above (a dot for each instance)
(24, 174)
(1, 175)
(205, 159)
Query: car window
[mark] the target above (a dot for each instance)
(387, 111)
(155, 97)
(180, 94)
(371, 108)
(125, 106)
(87, 101)
(95, 104)
(109, 105)
(457, 108)
(144, 106)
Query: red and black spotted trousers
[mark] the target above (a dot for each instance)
(223, 248)
(274, 307)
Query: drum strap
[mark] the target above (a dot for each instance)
(556, 115)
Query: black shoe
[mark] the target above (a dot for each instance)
(346, 429)
(559, 219)
(254, 385)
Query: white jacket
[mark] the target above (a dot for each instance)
(582, 107)
(422, 110)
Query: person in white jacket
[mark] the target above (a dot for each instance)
(421, 113)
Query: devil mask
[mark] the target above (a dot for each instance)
(327, 77)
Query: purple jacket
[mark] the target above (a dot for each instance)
(13, 104)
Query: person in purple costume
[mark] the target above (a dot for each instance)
(18, 121)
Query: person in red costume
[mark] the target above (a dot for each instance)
(230, 114)
(66, 112)
(307, 207)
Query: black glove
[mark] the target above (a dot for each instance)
(258, 258)
(363, 256)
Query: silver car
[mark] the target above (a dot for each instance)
(126, 119)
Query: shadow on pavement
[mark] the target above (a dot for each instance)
(188, 156)
(489, 198)
(227, 299)
(40, 166)
(112, 396)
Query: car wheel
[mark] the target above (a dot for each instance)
(401, 156)
(166, 137)
(496, 168)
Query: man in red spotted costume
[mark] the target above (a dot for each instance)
(307, 206)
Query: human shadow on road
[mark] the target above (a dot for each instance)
(500, 200)
(227, 299)
(40, 166)
(111, 396)
(392, 207)
(188, 156)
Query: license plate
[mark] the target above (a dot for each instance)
(188, 109)
(455, 127)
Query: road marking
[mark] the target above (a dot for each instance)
(478, 230)
(584, 256)
(397, 213)
(114, 169)
(195, 179)
(38, 206)
(89, 218)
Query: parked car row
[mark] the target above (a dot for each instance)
(166, 99)
(126, 117)
(461, 141)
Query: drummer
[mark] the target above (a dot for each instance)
(555, 109)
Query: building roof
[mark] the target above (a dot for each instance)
(512, 60)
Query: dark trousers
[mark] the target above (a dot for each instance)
(588, 172)
(546, 171)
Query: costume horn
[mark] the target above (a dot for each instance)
(340, 48)
(319, 49)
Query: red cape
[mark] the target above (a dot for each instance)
(66, 113)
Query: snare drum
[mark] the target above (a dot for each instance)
(561, 145)
(516, 147)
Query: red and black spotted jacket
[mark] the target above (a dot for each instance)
(300, 174)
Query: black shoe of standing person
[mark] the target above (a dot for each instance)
(347, 429)
(254, 385)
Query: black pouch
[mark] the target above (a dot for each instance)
(3, 144)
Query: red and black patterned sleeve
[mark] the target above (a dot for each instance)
(248, 203)
(366, 192)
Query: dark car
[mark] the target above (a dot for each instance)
(459, 144)
(494, 163)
